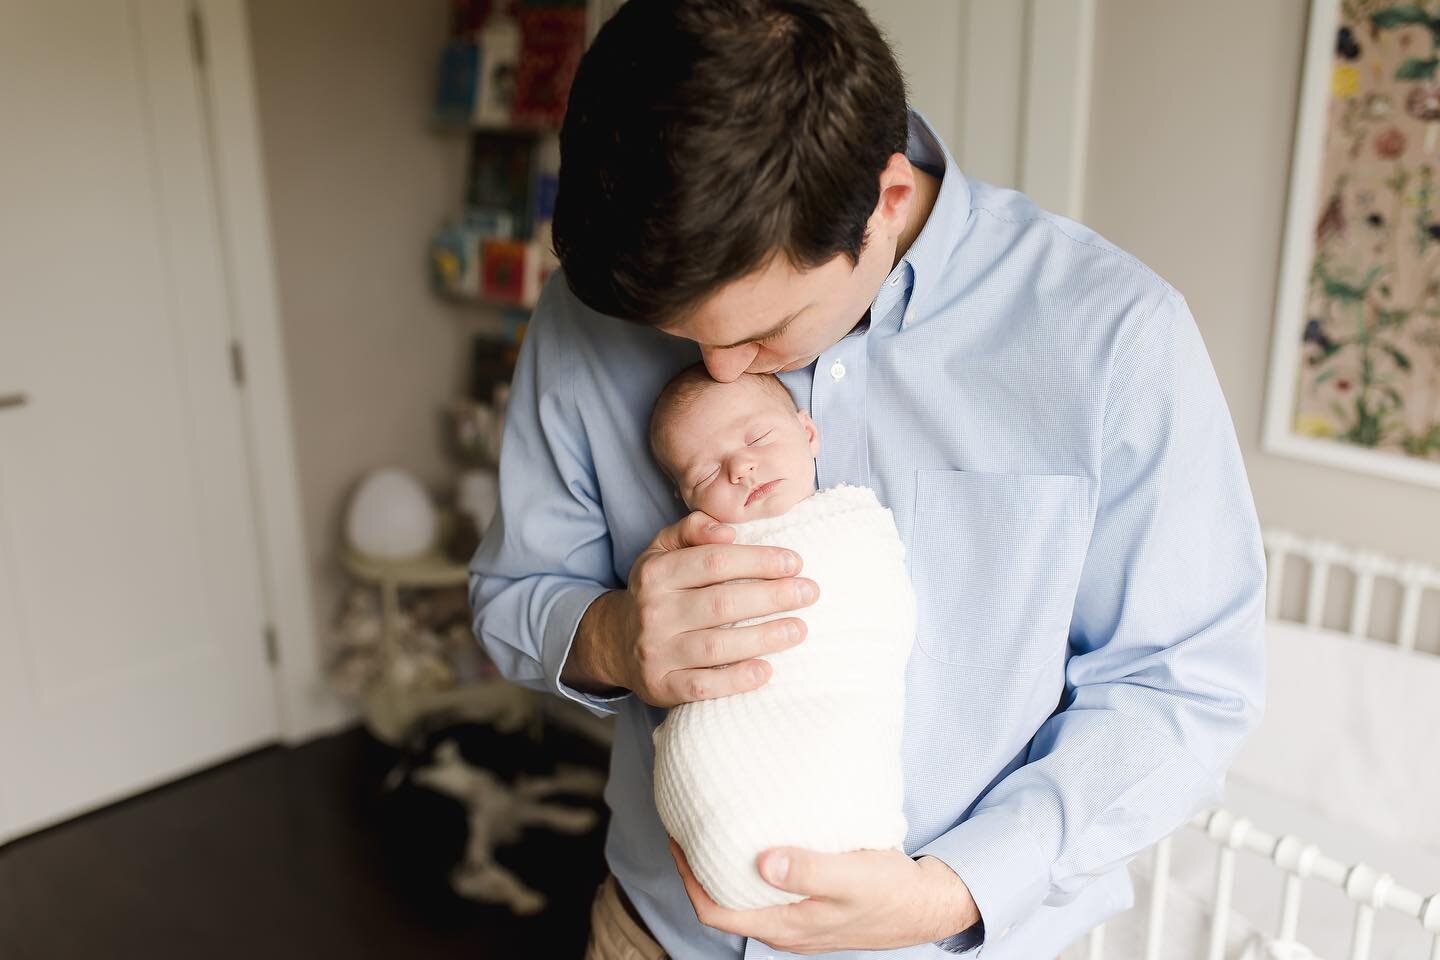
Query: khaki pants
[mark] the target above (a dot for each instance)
(614, 933)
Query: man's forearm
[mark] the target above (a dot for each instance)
(591, 666)
(955, 923)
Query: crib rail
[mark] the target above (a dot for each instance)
(1295, 861)
(1366, 565)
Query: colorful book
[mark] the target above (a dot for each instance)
(552, 40)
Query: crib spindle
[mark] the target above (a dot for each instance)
(1229, 832)
(1430, 920)
(1322, 555)
(1412, 581)
(1159, 889)
(1368, 889)
(1296, 859)
(1278, 546)
(1367, 566)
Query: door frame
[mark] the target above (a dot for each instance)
(1006, 84)
(308, 707)
(1025, 78)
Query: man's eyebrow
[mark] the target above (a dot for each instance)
(760, 336)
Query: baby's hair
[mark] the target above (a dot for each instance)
(686, 385)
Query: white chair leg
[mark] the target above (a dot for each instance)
(1096, 947)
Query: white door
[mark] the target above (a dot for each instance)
(131, 615)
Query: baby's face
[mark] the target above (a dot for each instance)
(739, 452)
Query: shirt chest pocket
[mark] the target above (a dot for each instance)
(996, 560)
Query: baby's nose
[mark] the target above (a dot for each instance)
(740, 471)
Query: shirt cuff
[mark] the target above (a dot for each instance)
(996, 856)
(966, 940)
(560, 626)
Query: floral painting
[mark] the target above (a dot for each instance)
(1368, 373)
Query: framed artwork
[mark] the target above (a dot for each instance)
(1355, 363)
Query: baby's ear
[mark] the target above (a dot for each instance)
(811, 431)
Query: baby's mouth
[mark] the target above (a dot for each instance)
(760, 491)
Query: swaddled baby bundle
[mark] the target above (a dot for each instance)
(811, 759)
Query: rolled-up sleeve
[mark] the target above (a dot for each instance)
(546, 556)
(1166, 669)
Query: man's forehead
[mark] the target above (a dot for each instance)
(748, 308)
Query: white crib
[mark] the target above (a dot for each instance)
(1375, 792)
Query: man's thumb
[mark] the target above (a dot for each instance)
(695, 530)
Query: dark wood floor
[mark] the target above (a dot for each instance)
(283, 853)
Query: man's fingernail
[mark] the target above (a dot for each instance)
(792, 563)
(712, 528)
(777, 867)
(808, 592)
(792, 630)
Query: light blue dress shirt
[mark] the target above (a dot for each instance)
(1037, 409)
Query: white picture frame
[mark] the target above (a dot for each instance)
(1303, 208)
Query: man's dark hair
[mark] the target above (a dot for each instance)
(703, 137)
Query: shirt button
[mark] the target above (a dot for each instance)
(910, 315)
(837, 370)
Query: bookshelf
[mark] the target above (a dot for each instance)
(503, 80)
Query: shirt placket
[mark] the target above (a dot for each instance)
(837, 405)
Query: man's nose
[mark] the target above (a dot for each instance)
(726, 364)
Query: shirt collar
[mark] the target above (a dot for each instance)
(928, 255)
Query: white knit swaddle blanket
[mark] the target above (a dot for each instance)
(811, 759)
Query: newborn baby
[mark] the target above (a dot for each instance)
(811, 759)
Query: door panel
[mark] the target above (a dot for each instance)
(131, 617)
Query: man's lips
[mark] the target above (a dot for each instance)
(760, 491)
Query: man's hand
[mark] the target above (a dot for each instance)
(866, 900)
(665, 636)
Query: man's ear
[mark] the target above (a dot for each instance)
(897, 192)
(812, 432)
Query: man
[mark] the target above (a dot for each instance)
(1034, 405)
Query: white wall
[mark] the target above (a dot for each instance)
(1004, 83)
(357, 183)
